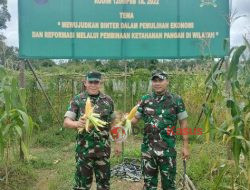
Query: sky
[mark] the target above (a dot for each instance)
(239, 28)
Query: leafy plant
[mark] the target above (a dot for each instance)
(234, 86)
(15, 124)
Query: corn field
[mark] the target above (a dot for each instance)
(218, 101)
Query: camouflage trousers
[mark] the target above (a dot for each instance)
(152, 164)
(84, 173)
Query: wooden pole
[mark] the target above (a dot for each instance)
(21, 85)
(44, 93)
(125, 103)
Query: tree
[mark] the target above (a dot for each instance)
(3, 48)
(4, 14)
(8, 55)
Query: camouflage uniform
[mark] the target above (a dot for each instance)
(158, 148)
(92, 149)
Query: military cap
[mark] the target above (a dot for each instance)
(160, 74)
(93, 76)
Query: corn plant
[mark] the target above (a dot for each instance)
(15, 125)
(233, 90)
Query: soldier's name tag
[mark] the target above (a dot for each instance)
(149, 111)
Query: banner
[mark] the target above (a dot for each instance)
(122, 29)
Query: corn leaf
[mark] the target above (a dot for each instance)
(18, 130)
(215, 67)
(233, 67)
(220, 177)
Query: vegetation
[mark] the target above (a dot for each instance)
(15, 125)
(210, 166)
(219, 157)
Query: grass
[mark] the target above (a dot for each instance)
(200, 166)
(21, 176)
(53, 164)
(53, 137)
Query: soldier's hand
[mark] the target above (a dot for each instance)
(123, 122)
(80, 123)
(118, 149)
(185, 153)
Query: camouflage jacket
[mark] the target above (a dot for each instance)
(95, 143)
(159, 114)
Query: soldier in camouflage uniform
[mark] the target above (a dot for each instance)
(93, 148)
(160, 111)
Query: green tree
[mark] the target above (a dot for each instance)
(3, 49)
(4, 14)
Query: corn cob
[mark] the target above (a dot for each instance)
(88, 107)
(91, 118)
(88, 110)
(80, 129)
(130, 116)
(132, 113)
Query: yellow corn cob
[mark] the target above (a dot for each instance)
(80, 130)
(130, 116)
(91, 118)
(88, 107)
(87, 125)
(132, 113)
(88, 112)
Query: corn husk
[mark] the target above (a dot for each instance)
(130, 116)
(92, 119)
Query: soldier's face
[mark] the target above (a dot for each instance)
(159, 85)
(93, 87)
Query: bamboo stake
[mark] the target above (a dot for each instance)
(44, 93)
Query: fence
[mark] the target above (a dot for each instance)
(125, 89)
